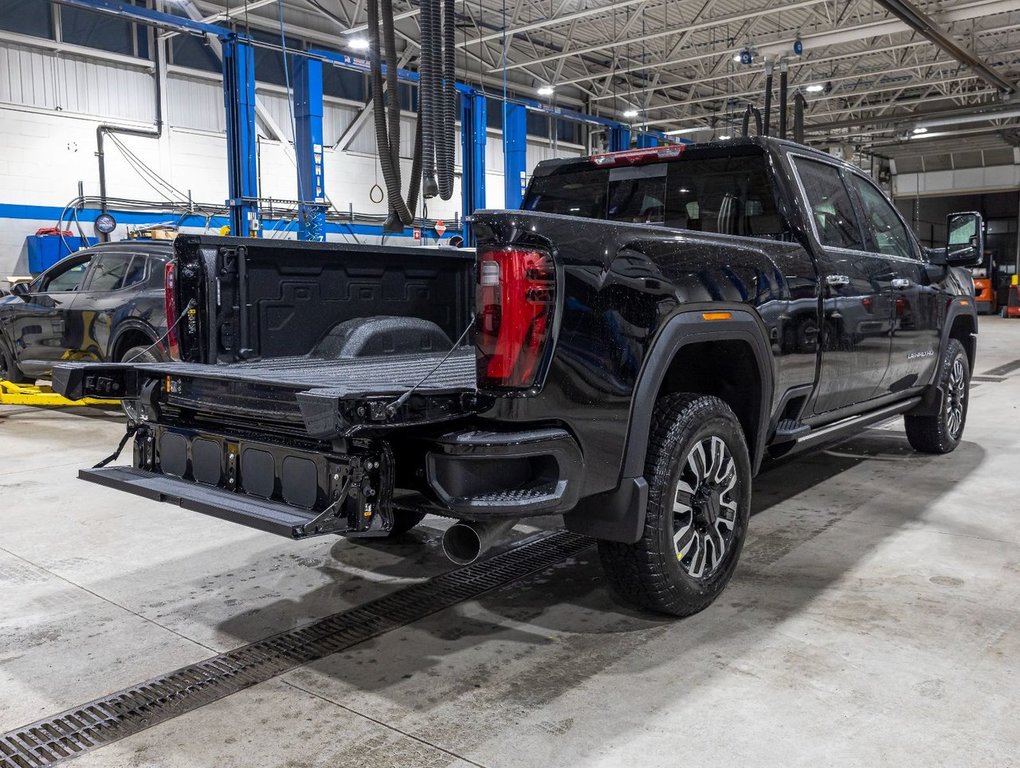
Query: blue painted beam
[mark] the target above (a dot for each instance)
(153, 18)
(473, 137)
(619, 138)
(308, 112)
(646, 141)
(242, 169)
(515, 152)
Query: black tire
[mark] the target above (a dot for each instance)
(403, 521)
(942, 432)
(659, 572)
(148, 354)
(9, 370)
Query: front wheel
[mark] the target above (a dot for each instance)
(699, 501)
(941, 432)
(9, 370)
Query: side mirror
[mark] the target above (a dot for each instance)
(19, 289)
(965, 241)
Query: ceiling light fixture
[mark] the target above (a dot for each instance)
(815, 88)
(631, 113)
(546, 90)
(920, 129)
(725, 138)
(358, 44)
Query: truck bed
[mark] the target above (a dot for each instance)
(392, 374)
(302, 396)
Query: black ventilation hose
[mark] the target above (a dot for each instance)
(400, 215)
(767, 121)
(445, 150)
(427, 101)
(757, 121)
(414, 183)
(798, 118)
(745, 123)
(782, 101)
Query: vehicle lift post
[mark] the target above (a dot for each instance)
(242, 167)
(308, 110)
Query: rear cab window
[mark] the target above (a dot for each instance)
(727, 193)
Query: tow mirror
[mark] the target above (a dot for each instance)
(965, 242)
(19, 289)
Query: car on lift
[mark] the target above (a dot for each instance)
(102, 304)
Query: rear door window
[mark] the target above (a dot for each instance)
(108, 271)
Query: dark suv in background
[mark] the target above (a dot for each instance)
(102, 304)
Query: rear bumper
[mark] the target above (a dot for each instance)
(479, 474)
(297, 489)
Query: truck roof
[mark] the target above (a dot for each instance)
(673, 152)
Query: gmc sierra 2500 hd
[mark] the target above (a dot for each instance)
(623, 352)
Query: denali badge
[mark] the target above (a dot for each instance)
(926, 353)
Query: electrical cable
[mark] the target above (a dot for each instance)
(190, 306)
(391, 408)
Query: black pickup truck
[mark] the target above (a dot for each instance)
(624, 352)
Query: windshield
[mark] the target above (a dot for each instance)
(728, 195)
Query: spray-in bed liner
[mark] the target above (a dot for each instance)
(374, 375)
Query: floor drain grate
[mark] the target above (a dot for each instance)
(126, 712)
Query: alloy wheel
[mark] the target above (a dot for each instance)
(705, 507)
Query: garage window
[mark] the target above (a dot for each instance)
(27, 17)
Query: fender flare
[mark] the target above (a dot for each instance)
(955, 310)
(619, 515)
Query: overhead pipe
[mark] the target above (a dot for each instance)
(782, 98)
(799, 103)
(767, 117)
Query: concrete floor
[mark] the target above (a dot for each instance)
(874, 619)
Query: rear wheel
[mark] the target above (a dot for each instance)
(147, 354)
(9, 370)
(699, 500)
(942, 432)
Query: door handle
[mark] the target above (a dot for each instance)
(837, 280)
(900, 282)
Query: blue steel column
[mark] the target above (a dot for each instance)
(473, 125)
(619, 138)
(647, 141)
(308, 149)
(515, 153)
(242, 168)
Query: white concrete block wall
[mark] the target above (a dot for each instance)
(45, 149)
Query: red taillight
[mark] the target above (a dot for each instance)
(169, 285)
(516, 301)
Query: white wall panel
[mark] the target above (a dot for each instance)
(997, 178)
(195, 103)
(26, 76)
(45, 79)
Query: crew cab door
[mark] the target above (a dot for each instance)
(857, 301)
(39, 326)
(914, 336)
(105, 299)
